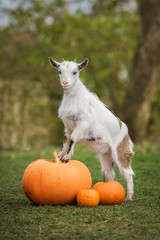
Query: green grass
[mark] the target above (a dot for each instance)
(139, 219)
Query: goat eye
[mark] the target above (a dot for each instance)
(74, 73)
(60, 72)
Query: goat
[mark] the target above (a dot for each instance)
(86, 119)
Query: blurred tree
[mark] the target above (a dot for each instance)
(121, 30)
(145, 75)
(30, 88)
(26, 43)
(40, 29)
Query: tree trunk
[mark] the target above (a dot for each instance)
(146, 72)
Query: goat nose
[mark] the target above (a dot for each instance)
(65, 82)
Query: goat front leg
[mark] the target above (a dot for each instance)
(69, 153)
(65, 146)
(75, 137)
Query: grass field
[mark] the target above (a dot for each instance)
(138, 219)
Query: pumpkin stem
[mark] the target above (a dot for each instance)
(56, 156)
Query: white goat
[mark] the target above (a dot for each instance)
(88, 120)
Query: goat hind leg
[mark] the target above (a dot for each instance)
(128, 175)
(124, 155)
(107, 167)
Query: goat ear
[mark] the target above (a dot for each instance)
(83, 64)
(54, 63)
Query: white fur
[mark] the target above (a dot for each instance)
(87, 120)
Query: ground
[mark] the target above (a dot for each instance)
(137, 219)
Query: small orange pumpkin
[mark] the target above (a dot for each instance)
(111, 192)
(88, 198)
(53, 182)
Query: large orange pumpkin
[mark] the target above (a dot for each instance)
(111, 192)
(88, 198)
(53, 182)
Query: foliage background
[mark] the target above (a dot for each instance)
(30, 92)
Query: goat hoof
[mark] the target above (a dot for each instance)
(64, 160)
(129, 197)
